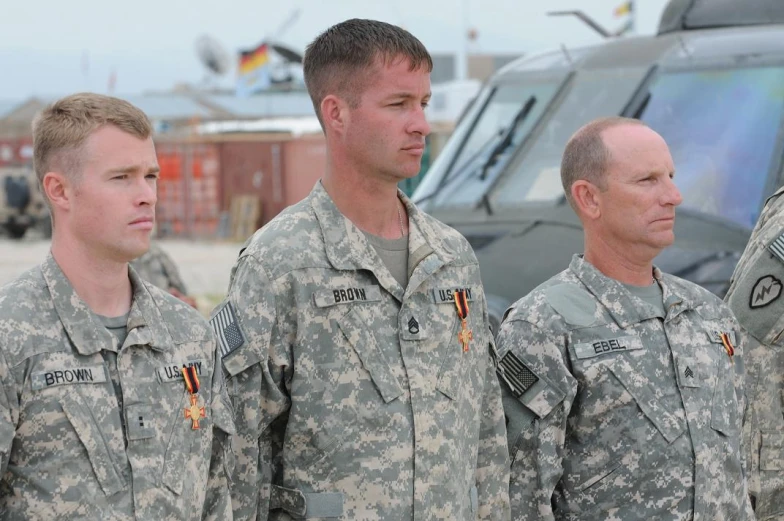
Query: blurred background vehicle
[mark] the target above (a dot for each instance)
(711, 82)
(22, 205)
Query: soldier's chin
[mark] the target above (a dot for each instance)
(137, 250)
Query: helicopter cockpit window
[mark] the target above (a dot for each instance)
(507, 118)
(721, 127)
(536, 176)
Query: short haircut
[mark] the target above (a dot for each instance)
(340, 59)
(61, 129)
(586, 156)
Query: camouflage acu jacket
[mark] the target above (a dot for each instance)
(353, 397)
(157, 267)
(616, 413)
(70, 447)
(755, 298)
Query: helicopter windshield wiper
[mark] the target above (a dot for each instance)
(509, 134)
(505, 135)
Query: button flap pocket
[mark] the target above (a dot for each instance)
(364, 343)
(306, 505)
(772, 450)
(90, 435)
(637, 385)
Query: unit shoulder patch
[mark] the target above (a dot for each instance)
(766, 290)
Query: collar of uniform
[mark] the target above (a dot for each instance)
(348, 249)
(81, 325)
(677, 296)
(617, 299)
(146, 325)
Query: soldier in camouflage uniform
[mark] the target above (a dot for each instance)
(97, 418)
(755, 298)
(157, 267)
(355, 332)
(623, 385)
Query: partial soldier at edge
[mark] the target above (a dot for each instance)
(112, 405)
(755, 299)
(355, 332)
(623, 385)
(158, 268)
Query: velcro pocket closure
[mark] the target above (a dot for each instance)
(725, 413)
(361, 338)
(7, 430)
(306, 505)
(638, 386)
(772, 450)
(474, 495)
(90, 435)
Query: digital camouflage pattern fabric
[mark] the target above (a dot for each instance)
(353, 397)
(157, 267)
(71, 448)
(755, 298)
(617, 413)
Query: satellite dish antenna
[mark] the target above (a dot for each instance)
(212, 55)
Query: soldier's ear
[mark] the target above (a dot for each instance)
(56, 187)
(335, 113)
(586, 199)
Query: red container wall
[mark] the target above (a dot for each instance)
(305, 159)
(188, 189)
(254, 168)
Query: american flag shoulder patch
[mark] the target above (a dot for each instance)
(516, 374)
(777, 247)
(227, 330)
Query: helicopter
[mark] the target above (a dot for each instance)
(710, 81)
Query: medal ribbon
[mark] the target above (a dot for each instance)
(725, 339)
(191, 379)
(461, 303)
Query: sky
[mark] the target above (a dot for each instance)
(52, 48)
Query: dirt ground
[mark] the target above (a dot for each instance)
(205, 265)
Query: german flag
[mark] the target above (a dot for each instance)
(624, 8)
(254, 58)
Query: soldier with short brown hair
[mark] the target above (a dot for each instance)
(112, 405)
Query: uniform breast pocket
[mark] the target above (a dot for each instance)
(94, 440)
(619, 416)
(770, 502)
(182, 432)
(461, 340)
(362, 340)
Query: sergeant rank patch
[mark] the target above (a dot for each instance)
(229, 334)
(766, 290)
(515, 373)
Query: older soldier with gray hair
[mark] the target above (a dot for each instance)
(355, 332)
(623, 385)
(112, 404)
(755, 296)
